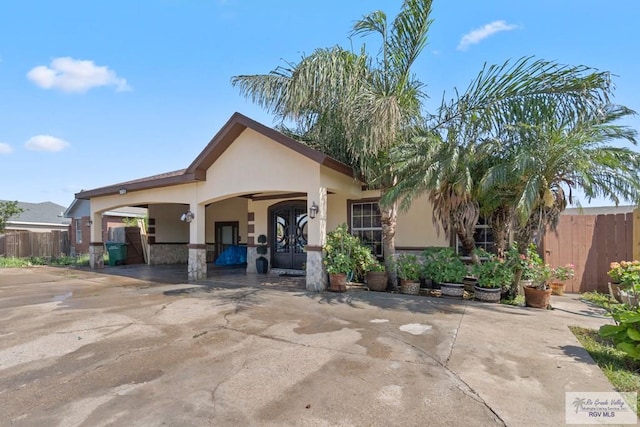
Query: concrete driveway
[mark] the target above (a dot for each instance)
(80, 348)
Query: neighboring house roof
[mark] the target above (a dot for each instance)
(81, 207)
(40, 213)
(237, 124)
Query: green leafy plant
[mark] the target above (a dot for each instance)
(626, 332)
(493, 272)
(430, 264)
(447, 267)
(344, 253)
(408, 267)
(8, 210)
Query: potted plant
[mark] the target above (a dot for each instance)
(493, 274)
(409, 269)
(430, 267)
(450, 272)
(528, 263)
(262, 264)
(558, 276)
(376, 276)
(538, 294)
(337, 257)
(625, 277)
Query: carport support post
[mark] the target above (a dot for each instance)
(96, 255)
(96, 246)
(197, 267)
(317, 235)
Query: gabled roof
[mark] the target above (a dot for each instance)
(40, 213)
(237, 124)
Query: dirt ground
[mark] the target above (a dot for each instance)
(83, 348)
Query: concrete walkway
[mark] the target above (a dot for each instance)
(139, 346)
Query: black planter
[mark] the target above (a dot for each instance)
(262, 265)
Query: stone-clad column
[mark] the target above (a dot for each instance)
(96, 255)
(197, 266)
(317, 235)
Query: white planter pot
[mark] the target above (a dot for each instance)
(455, 290)
(487, 294)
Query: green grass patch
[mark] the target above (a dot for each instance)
(621, 371)
(598, 299)
(11, 262)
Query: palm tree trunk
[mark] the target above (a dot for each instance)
(500, 222)
(389, 218)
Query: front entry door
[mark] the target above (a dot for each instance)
(288, 231)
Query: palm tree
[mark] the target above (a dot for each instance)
(466, 162)
(352, 106)
(555, 156)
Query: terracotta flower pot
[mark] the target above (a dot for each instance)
(557, 288)
(537, 298)
(377, 281)
(337, 282)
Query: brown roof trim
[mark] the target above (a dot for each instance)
(237, 124)
(163, 180)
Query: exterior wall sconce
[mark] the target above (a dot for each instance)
(313, 210)
(89, 223)
(188, 216)
(122, 191)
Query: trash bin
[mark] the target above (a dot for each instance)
(117, 253)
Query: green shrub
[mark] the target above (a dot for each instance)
(626, 332)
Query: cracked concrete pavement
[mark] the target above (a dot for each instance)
(85, 348)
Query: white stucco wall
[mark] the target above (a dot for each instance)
(255, 163)
(169, 228)
(416, 228)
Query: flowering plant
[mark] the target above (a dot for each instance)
(564, 273)
(530, 263)
(627, 273)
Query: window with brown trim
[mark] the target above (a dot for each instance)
(483, 237)
(367, 225)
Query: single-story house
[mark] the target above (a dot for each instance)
(79, 212)
(38, 217)
(248, 181)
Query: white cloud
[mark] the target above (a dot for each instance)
(75, 75)
(479, 34)
(5, 148)
(46, 143)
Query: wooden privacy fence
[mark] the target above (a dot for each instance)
(21, 244)
(591, 243)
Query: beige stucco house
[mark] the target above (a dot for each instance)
(251, 180)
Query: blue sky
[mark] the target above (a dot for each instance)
(93, 93)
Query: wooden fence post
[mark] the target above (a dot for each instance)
(636, 233)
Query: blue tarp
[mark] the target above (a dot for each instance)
(232, 255)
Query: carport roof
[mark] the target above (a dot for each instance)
(237, 124)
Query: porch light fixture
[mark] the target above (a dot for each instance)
(89, 223)
(122, 191)
(313, 210)
(188, 216)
